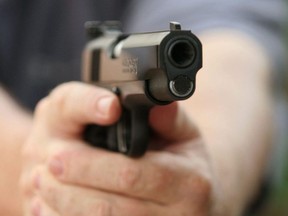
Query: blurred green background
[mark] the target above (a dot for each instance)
(277, 202)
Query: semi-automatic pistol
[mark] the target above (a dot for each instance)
(144, 70)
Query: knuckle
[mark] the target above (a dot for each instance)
(129, 177)
(201, 188)
(28, 182)
(101, 208)
(136, 210)
(61, 161)
(49, 191)
(57, 163)
(162, 177)
(204, 187)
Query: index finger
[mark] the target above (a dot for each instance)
(159, 177)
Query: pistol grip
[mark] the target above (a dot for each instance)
(130, 135)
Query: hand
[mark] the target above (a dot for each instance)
(64, 176)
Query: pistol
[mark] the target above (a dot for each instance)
(144, 70)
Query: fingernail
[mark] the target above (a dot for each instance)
(56, 167)
(104, 104)
(36, 208)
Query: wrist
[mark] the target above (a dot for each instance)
(227, 197)
(15, 124)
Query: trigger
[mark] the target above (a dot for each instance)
(124, 132)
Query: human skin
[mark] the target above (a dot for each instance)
(207, 157)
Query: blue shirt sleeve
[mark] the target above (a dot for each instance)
(262, 19)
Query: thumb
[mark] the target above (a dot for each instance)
(71, 106)
(170, 122)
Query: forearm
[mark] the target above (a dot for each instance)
(14, 127)
(232, 106)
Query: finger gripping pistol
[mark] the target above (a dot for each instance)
(144, 70)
